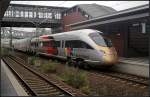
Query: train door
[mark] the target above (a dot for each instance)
(61, 50)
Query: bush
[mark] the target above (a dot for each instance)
(75, 78)
(31, 60)
(85, 89)
(49, 67)
(4, 51)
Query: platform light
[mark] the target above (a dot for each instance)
(118, 34)
(137, 24)
(143, 28)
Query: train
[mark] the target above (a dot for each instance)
(88, 46)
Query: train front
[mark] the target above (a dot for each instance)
(108, 54)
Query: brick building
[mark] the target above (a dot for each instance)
(128, 29)
(84, 12)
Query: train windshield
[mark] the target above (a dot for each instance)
(99, 40)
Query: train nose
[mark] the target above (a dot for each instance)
(110, 57)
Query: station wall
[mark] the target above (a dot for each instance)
(72, 18)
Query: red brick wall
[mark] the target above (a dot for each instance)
(119, 44)
(72, 18)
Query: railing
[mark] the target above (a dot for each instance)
(33, 12)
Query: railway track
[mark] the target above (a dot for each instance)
(132, 79)
(128, 78)
(36, 84)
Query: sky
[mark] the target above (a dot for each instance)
(117, 5)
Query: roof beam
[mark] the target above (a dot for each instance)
(112, 20)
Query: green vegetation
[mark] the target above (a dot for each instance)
(76, 78)
(72, 76)
(31, 60)
(85, 89)
(49, 67)
(4, 51)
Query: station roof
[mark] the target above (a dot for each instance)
(40, 6)
(132, 13)
(96, 10)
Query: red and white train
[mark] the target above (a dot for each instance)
(84, 46)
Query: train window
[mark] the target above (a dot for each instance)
(41, 44)
(36, 44)
(68, 44)
(46, 44)
(99, 40)
(77, 44)
(56, 44)
(108, 42)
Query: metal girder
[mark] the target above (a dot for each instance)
(26, 14)
(15, 33)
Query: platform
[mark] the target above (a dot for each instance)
(9, 84)
(138, 61)
(136, 66)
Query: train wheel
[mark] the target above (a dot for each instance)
(69, 61)
(79, 64)
(86, 66)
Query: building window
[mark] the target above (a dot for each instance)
(26, 13)
(58, 16)
(147, 28)
(143, 28)
(40, 15)
(49, 15)
(86, 15)
(79, 10)
(74, 9)
(30, 14)
(136, 28)
(21, 13)
(17, 13)
(9, 13)
(65, 14)
(34, 14)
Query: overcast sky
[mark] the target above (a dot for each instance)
(118, 5)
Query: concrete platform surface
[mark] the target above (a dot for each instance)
(135, 60)
(136, 66)
(9, 84)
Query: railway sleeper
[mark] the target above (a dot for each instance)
(47, 92)
(61, 95)
(34, 81)
(42, 91)
(41, 88)
(35, 86)
(56, 93)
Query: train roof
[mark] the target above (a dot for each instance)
(75, 32)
